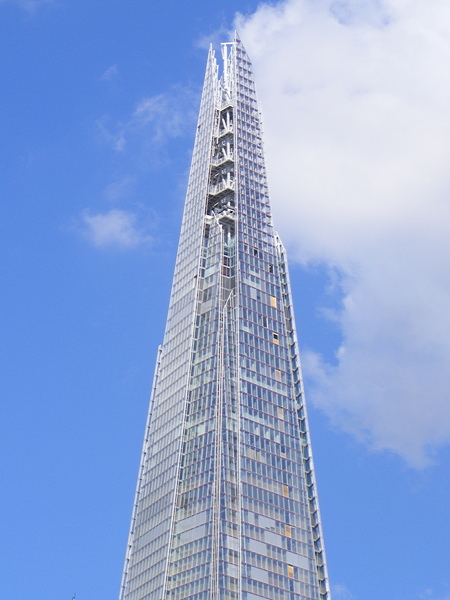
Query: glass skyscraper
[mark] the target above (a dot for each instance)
(226, 503)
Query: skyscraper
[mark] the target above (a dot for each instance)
(226, 503)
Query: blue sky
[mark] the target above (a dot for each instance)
(98, 108)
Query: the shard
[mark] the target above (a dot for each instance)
(226, 503)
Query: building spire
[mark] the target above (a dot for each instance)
(226, 502)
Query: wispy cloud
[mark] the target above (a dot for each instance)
(341, 592)
(142, 137)
(432, 595)
(357, 121)
(110, 73)
(115, 228)
(216, 37)
(120, 189)
(112, 134)
(153, 122)
(29, 6)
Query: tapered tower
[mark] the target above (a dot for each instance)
(226, 503)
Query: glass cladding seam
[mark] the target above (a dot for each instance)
(155, 503)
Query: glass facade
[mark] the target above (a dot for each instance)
(226, 505)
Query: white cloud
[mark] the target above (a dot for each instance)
(153, 122)
(356, 99)
(115, 228)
